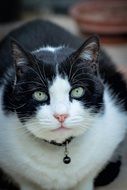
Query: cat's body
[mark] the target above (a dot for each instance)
(97, 119)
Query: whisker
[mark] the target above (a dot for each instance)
(71, 69)
(29, 82)
(20, 106)
(44, 72)
(80, 82)
(41, 79)
(78, 69)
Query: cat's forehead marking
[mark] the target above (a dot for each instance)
(52, 55)
(48, 48)
(60, 85)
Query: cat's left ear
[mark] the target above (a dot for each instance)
(18, 53)
(21, 58)
(89, 52)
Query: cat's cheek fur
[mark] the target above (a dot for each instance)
(79, 118)
(43, 124)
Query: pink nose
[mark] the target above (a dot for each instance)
(61, 117)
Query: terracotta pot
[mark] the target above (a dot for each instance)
(101, 17)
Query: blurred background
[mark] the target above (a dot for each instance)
(107, 18)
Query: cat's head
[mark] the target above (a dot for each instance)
(56, 92)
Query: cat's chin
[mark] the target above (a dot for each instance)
(56, 137)
(55, 141)
(58, 142)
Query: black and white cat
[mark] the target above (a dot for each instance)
(59, 100)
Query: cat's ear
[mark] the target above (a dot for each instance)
(89, 52)
(20, 58)
(18, 53)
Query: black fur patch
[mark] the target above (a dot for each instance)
(6, 182)
(108, 174)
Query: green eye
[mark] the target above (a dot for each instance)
(40, 96)
(77, 92)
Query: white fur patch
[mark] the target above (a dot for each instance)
(47, 48)
(87, 55)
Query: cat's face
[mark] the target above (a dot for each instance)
(56, 94)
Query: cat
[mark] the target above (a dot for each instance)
(63, 108)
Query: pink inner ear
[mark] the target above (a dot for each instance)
(18, 53)
(86, 55)
(90, 52)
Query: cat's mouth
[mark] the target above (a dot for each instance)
(62, 128)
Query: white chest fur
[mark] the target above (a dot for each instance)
(27, 158)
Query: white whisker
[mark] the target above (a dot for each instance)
(78, 69)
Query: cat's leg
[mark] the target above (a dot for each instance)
(85, 185)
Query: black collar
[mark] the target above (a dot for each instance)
(60, 144)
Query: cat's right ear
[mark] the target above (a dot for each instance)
(88, 53)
